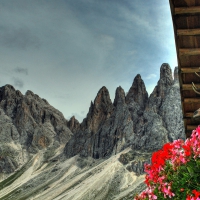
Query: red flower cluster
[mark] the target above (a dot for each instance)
(195, 197)
(174, 154)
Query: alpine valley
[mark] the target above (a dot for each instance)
(45, 156)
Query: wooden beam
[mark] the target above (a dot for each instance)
(190, 70)
(191, 100)
(189, 52)
(188, 32)
(191, 127)
(187, 10)
(188, 115)
(189, 86)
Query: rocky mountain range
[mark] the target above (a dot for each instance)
(132, 120)
(45, 156)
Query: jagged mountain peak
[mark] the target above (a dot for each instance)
(8, 86)
(99, 111)
(31, 95)
(29, 92)
(138, 76)
(164, 83)
(102, 104)
(166, 79)
(166, 72)
(102, 98)
(119, 96)
(8, 91)
(137, 93)
(73, 124)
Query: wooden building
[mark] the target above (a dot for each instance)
(186, 22)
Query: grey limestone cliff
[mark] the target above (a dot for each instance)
(107, 128)
(142, 122)
(28, 124)
(162, 118)
(46, 156)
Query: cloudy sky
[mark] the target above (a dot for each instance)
(66, 50)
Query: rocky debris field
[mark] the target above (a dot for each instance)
(75, 178)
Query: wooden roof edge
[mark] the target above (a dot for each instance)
(188, 32)
(172, 8)
(187, 10)
(189, 86)
(191, 127)
(189, 51)
(190, 70)
(188, 115)
(191, 100)
(179, 57)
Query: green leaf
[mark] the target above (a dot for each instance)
(190, 170)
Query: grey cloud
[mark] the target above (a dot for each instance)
(21, 70)
(151, 76)
(20, 38)
(18, 82)
(83, 45)
(116, 23)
